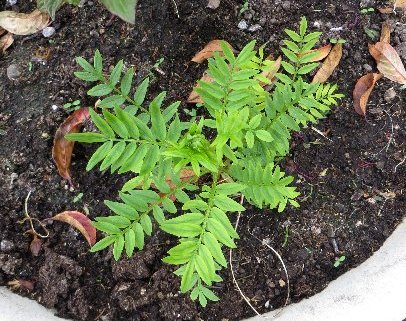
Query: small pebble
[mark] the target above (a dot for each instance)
(390, 94)
(213, 4)
(368, 68)
(242, 25)
(11, 2)
(48, 32)
(254, 28)
(12, 72)
(6, 246)
(54, 107)
(286, 5)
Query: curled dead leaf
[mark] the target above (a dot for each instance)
(322, 53)
(388, 62)
(270, 74)
(208, 51)
(21, 284)
(22, 23)
(330, 64)
(5, 42)
(62, 148)
(385, 32)
(79, 221)
(362, 91)
(35, 245)
(194, 97)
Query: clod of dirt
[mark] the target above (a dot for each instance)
(6, 246)
(390, 94)
(13, 72)
(131, 296)
(173, 308)
(55, 277)
(78, 305)
(131, 269)
(9, 264)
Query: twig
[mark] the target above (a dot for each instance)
(402, 162)
(176, 8)
(236, 283)
(30, 219)
(321, 133)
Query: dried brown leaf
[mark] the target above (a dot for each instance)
(5, 42)
(21, 284)
(35, 245)
(330, 64)
(385, 32)
(322, 53)
(79, 221)
(388, 62)
(385, 10)
(270, 74)
(208, 51)
(194, 97)
(22, 23)
(362, 90)
(400, 4)
(62, 149)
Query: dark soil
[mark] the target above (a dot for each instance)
(352, 183)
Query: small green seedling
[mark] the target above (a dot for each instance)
(245, 6)
(367, 10)
(339, 261)
(77, 198)
(337, 40)
(371, 33)
(204, 164)
(71, 106)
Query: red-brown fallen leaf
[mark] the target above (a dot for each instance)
(208, 51)
(385, 32)
(385, 10)
(62, 149)
(270, 74)
(35, 245)
(22, 23)
(330, 64)
(21, 284)
(5, 42)
(400, 4)
(362, 90)
(388, 62)
(322, 53)
(194, 97)
(79, 221)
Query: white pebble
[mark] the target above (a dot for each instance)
(54, 107)
(242, 25)
(48, 32)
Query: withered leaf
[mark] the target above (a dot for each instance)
(62, 148)
(35, 245)
(22, 23)
(270, 74)
(385, 32)
(79, 221)
(208, 51)
(5, 42)
(362, 90)
(388, 62)
(330, 64)
(322, 53)
(194, 97)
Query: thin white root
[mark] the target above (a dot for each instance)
(30, 219)
(402, 162)
(321, 133)
(236, 283)
(176, 8)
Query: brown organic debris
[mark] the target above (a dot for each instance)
(270, 74)
(385, 32)
(388, 62)
(208, 51)
(21, 284)
(5, 42)
(362, 91)
(330, 64)
(23, 24)
(35, 245)
(79, 221)
(322, 53)
(62, 148)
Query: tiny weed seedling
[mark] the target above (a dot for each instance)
(71, 106)
(339, 261)
(367, 10)
(245, 6)
(236, 147)
(339, 40)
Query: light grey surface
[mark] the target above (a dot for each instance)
(375, 291)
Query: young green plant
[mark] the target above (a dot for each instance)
(235, 148)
